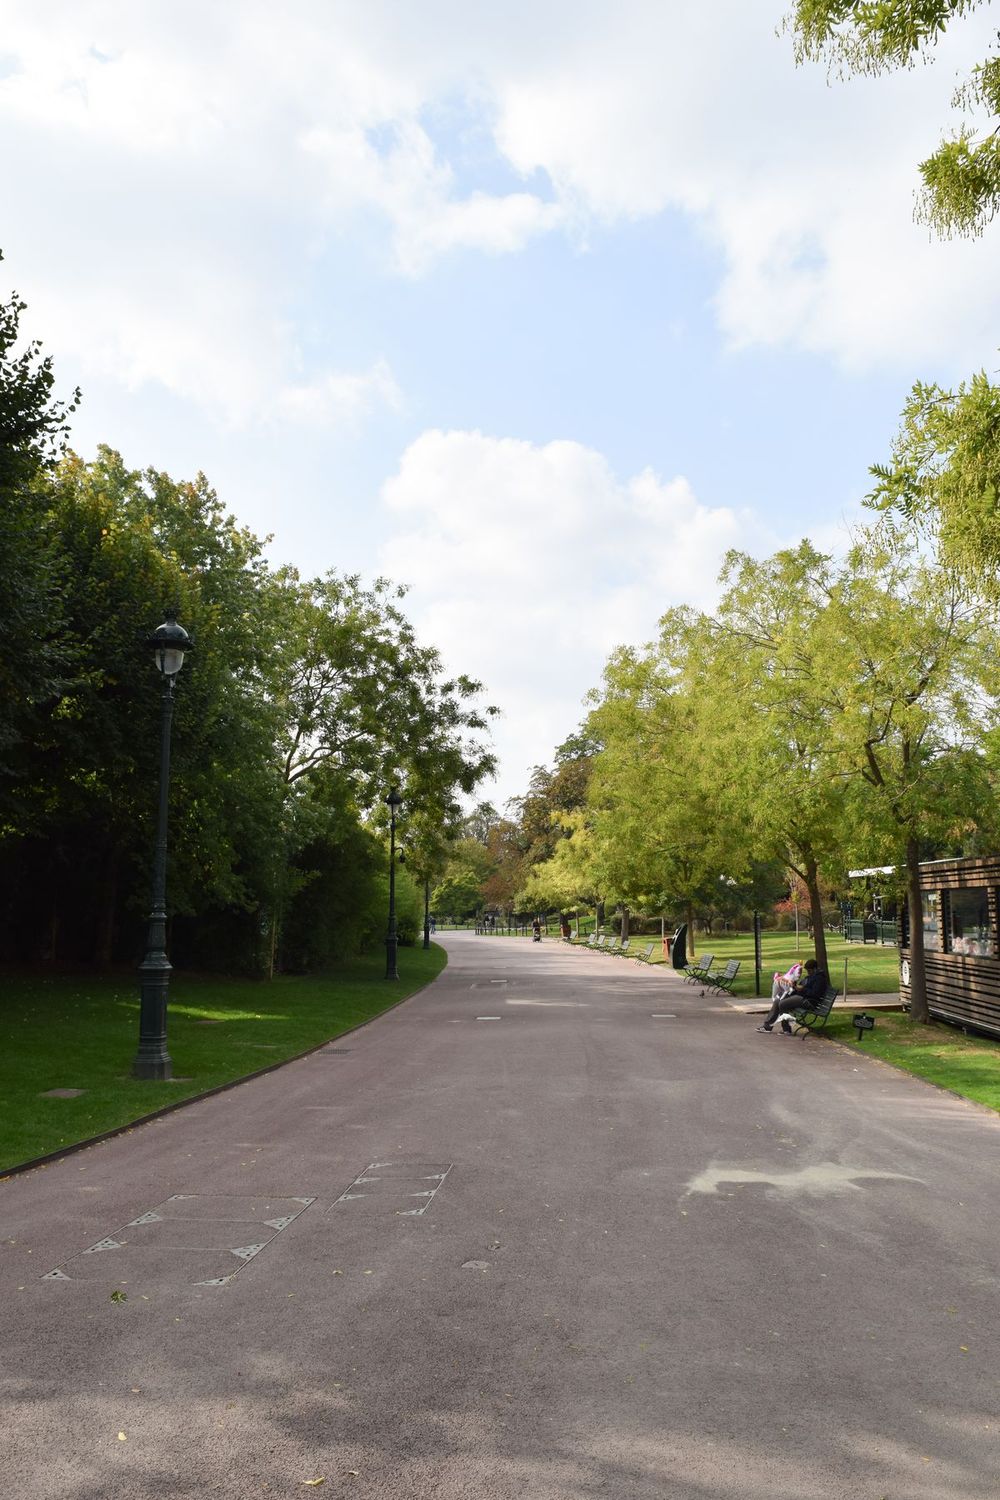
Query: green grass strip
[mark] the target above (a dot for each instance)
(871, 969)
(83, 1033)
(969, 1066)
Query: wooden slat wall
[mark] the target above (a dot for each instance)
(962, 989)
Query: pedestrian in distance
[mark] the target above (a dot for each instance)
(813, 987)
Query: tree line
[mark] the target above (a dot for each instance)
(305, 699)
(830, 712)
(827, 714)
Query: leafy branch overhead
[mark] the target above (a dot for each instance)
(961, 179)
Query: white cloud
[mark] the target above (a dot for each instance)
(341, 400)
(190, 154)
(415, 191)
(534, 562)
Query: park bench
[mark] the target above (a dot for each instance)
(592, 940)
(698, 970)
(613, 945)
(816, 1013)
(645, 958)
(601, 940)
(624, 946)
(722, 983)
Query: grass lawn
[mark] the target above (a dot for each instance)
(871, 969)
(82, 1034)
(942, 1054)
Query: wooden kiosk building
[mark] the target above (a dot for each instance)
(960, 902)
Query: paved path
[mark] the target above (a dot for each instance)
(613, 1243)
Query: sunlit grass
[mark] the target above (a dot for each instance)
(871, 969)
(82, 1033)
(942, 1054)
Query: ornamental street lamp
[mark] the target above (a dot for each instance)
(391, 972)
(168, 643)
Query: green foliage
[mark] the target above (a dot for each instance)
(409, 907)
(868, 36)
(945, 475)
(301, 702)
(568, 878)
(32, 428)
(962, 178)
(460, 892)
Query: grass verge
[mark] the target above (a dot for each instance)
(82, 1034)
(967, 1065)
(871, 970)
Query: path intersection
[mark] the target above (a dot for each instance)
(556, 1228)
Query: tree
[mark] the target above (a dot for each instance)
(658, 841)
(33, 426)
(909, 663)
(360, 692)
(765, 707)
(126, 545)
(567, 878)
(961, 179)
(945, 476)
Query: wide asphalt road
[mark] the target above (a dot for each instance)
(555, 1228)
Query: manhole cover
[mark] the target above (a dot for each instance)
(193, 1238)
(404, 1188)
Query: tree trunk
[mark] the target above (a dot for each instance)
(918, 967)
(689, 918)
(624, 927)
(811, 877)
(600, 915)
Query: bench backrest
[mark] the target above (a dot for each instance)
(602, 940)
(613, 944)
(823, 1007)
(649, 949)
(592, 939)
(624, 946)
(702, 963)
(732, 969)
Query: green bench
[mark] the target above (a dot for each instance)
(722, 983)
(815, 1014)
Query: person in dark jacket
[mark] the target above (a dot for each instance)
(813, 987)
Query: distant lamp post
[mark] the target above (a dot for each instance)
(391, 971)
(169, 642)
(427, 913)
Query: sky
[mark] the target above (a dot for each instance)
(537, 308)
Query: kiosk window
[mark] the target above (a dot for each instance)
(970, 933)
(930, 902)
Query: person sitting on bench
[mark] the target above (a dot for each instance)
(813, 987)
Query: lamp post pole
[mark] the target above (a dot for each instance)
(152, 1060)
(391, 971)
(427, 913)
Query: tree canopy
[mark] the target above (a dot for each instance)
(304, 701)
(961, 179)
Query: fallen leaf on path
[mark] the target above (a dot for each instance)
(122, 1438)
(320, 1480)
